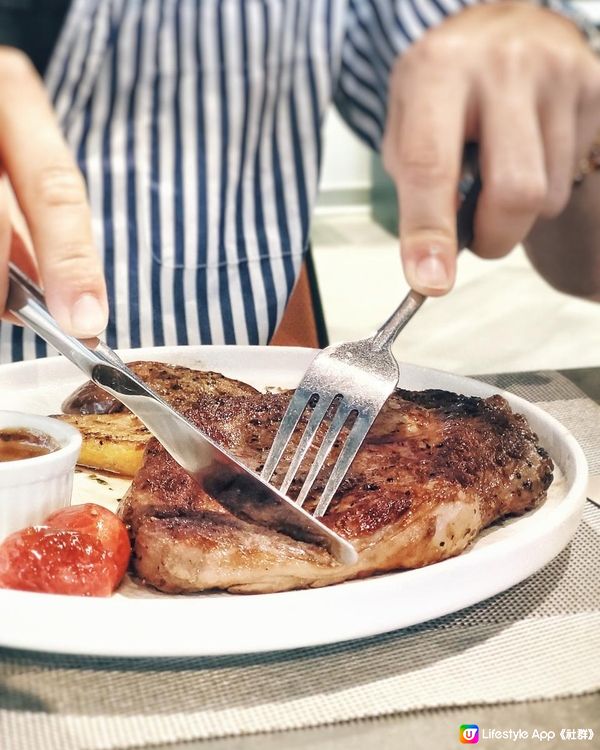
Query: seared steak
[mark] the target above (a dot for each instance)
(113, 439)
(435, 469)
(180, 386)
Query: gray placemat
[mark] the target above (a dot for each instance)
(540, 639)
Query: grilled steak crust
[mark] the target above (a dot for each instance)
(113, 439)
(179, 386)
(434, 470)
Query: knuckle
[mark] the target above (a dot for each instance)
(492, 249)
(15, 64)
(78, 263)
(562, 65)
(425, 167)
(397, 70)
(517, 193)
(532, 194)
(408, 61)
(591, 87)
(514, 48)
(60, 185)
(422, 52)
(446, 48)
(556, 202)
(417, 59)
(510, 55)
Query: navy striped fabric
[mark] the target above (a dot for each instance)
(197, 125)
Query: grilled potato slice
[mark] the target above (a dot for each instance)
(111, 442)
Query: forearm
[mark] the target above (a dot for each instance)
(566, 250)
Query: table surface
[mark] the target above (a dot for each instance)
(430, 730)
(424, 730)
(587, 379)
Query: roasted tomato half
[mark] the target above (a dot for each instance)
(82, 550)
(100, 523)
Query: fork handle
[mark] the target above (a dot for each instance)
(387, 334)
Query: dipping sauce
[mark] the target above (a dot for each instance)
(17, 444)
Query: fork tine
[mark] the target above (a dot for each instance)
(339, 420)
(353, 442)
(308, 435)
(286, 429)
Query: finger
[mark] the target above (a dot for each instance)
(512, 167)
(21, 246)
(558, 130)
(5, 238)
(12, 248)
(52, 196)
(429, 148)
(389, 143)
(588, 110)
(558, 113)
(20, 255)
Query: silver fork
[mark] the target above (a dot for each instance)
(350, 379)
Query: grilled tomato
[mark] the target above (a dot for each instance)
(82, 550)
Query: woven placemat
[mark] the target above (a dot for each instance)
(540, 639)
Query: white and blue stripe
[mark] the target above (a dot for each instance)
(197, 125)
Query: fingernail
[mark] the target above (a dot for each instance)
(87, 316)
(431, 272)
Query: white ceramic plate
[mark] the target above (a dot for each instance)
(138, 622)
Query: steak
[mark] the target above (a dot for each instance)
(435, 469)
(113, 439)
(179, 386)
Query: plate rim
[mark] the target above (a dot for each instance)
(564, 521)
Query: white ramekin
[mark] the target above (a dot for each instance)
(31, 488)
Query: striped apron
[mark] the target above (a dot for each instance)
(197, 126)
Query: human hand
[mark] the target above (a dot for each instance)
(51, 196)
(522, 82)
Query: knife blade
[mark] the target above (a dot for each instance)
(216, 470)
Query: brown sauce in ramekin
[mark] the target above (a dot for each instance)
(18, 443)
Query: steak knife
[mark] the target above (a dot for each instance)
(217, 471)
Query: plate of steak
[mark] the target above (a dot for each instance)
(459, 492)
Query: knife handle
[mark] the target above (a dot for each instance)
(469, 188)
(26, 302)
